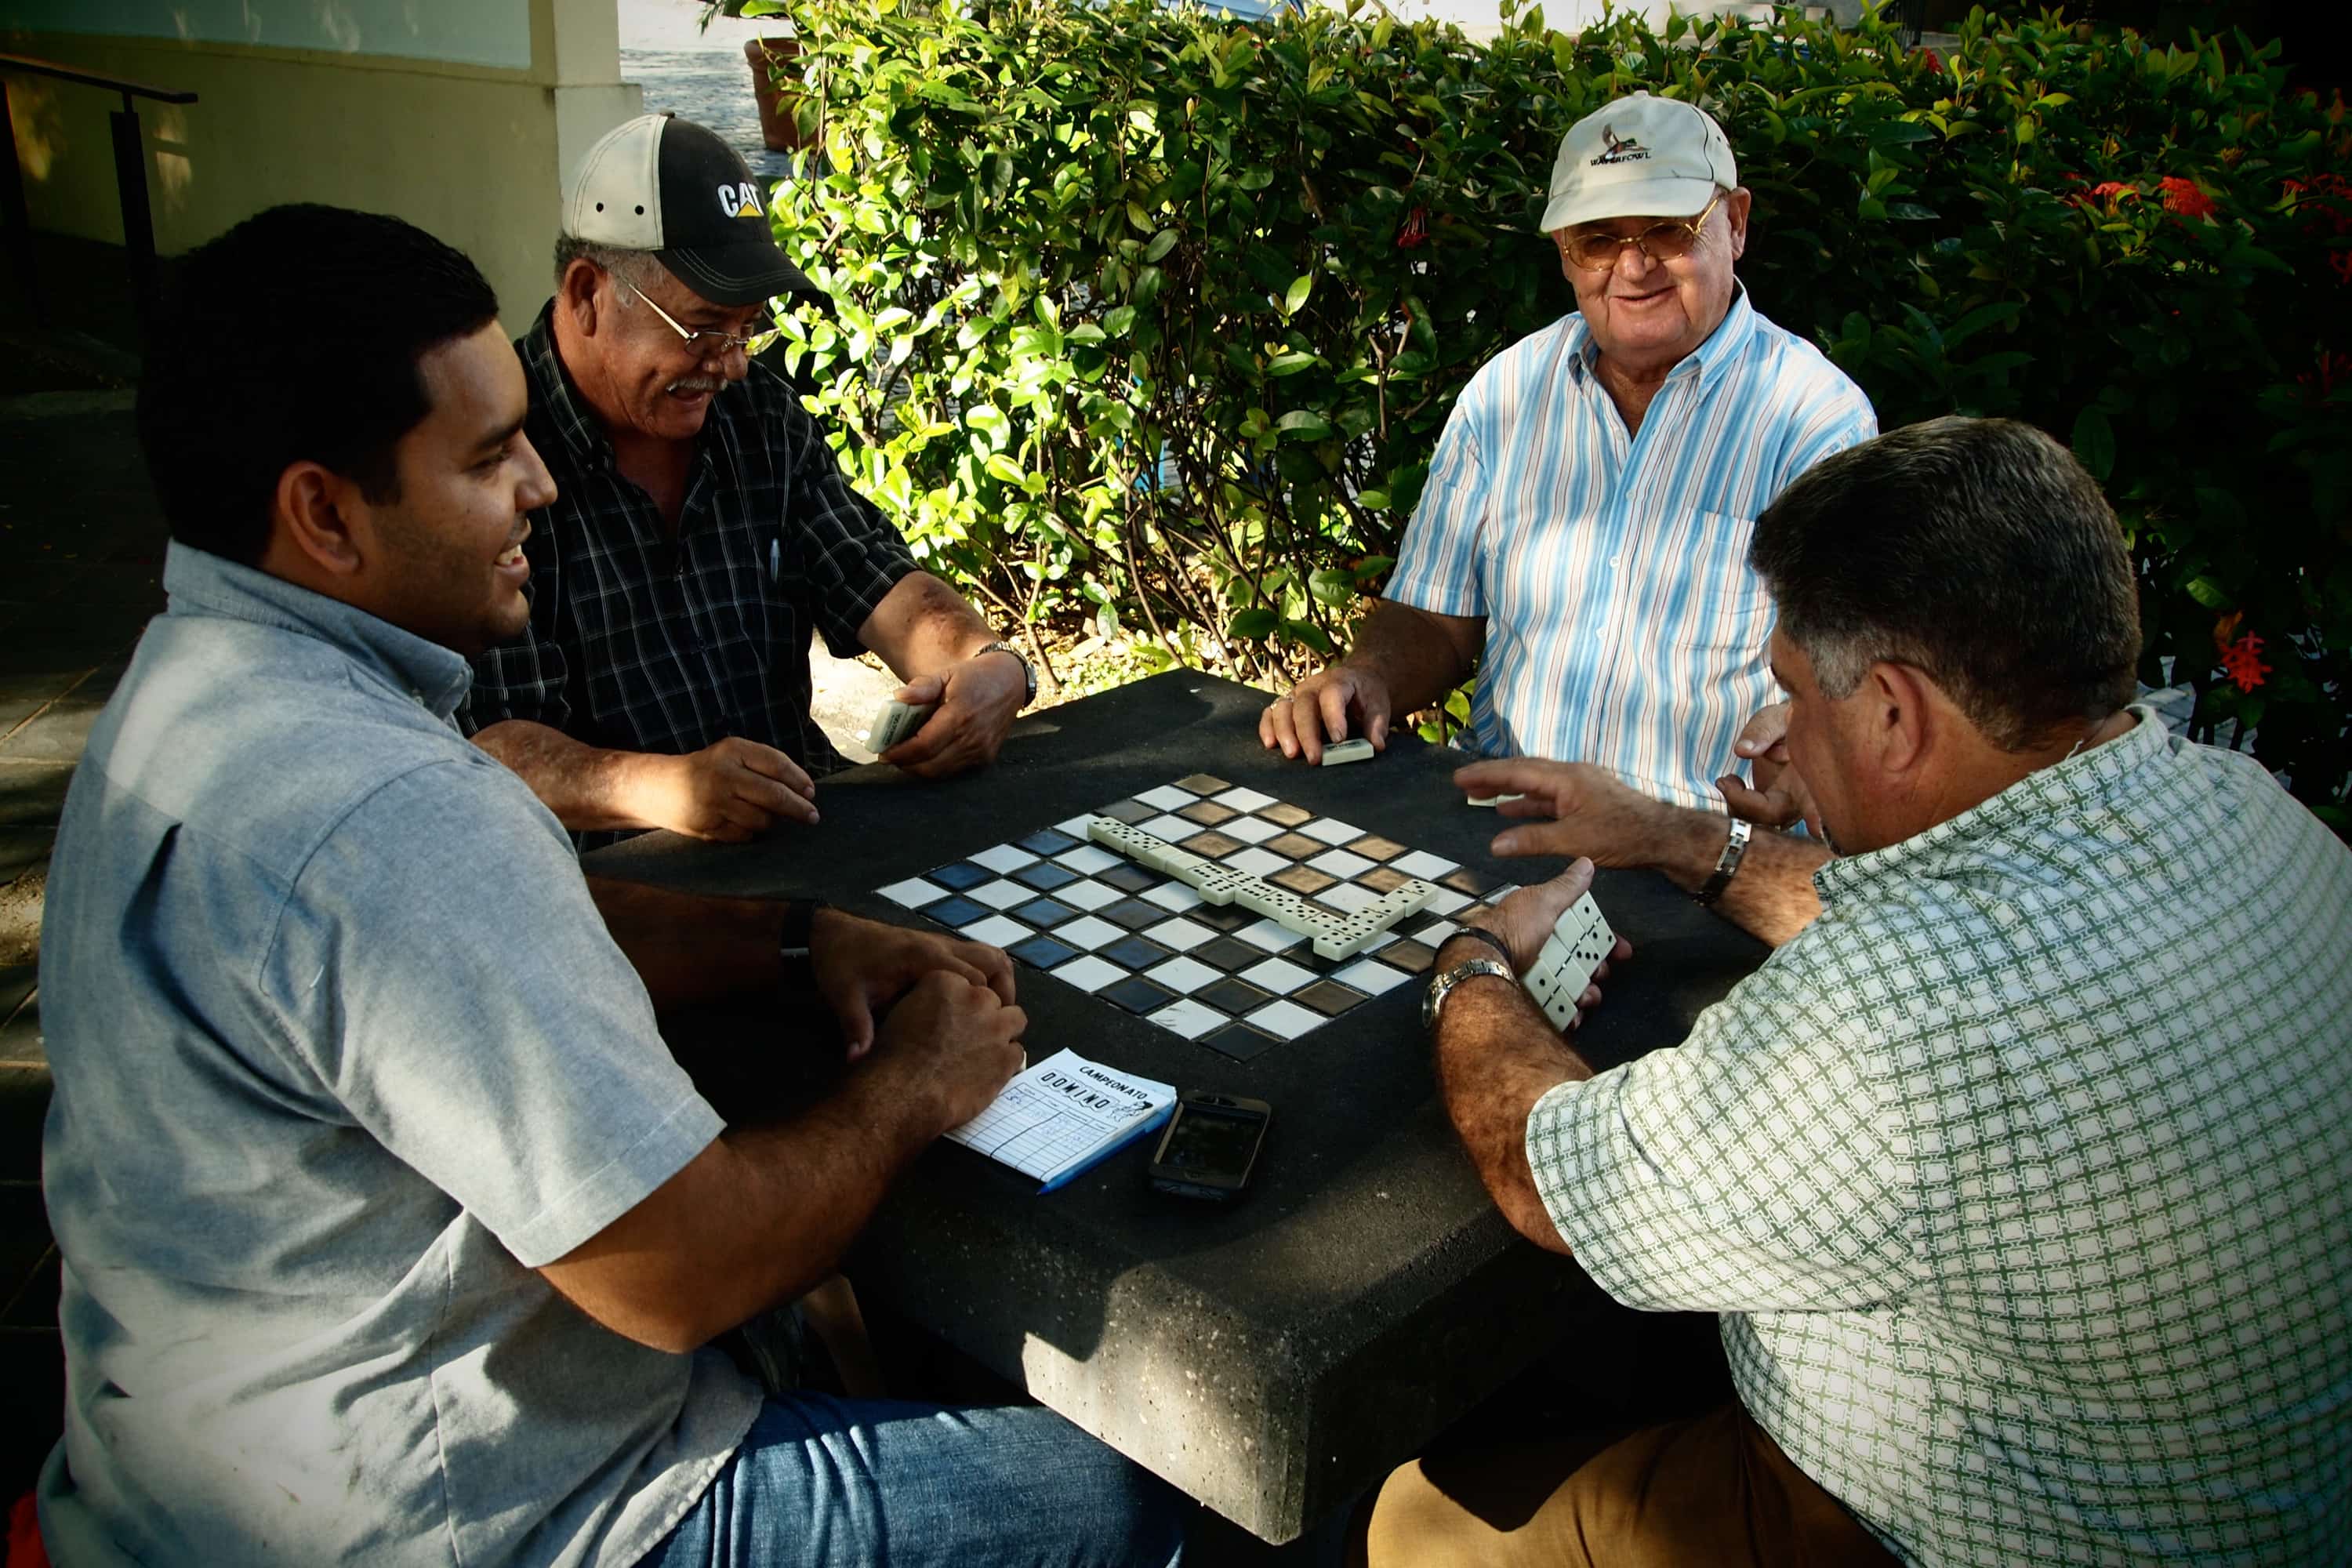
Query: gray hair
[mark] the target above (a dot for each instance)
(636, 268)
(1978, 551)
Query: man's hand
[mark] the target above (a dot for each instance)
(864, 967)
(1525, 920)
(954, 1044)
(977, 700)
(730, 790)
(1593, 813)
(1779, 796)
(1318, 708)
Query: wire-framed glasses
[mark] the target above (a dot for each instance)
(1669, 241)
(708, 342)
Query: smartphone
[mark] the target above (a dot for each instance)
(1211, 1146)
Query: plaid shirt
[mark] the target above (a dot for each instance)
(641, 641)
(2023, 1176)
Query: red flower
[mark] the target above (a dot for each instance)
(2183, 196)
(1415, 231)
(1935, 61)
(2242, 661)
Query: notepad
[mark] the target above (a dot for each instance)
(1064, 1115)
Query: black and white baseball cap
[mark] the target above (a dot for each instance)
(670, 186)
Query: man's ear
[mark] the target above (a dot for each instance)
(575, 293)
(1901, 717)
(312, 517)
(1735, 212)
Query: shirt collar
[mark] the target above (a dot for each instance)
(551, 392)
(199, 582)
(2081, 786)
(1723, 345)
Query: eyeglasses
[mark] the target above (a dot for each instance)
(1668, 241)
(706, 343)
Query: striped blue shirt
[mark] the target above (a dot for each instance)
(1623, 626)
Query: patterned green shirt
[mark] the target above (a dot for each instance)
(2023, 1177)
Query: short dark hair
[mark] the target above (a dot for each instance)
(1978, 551)
(634, 267)
(294, 336)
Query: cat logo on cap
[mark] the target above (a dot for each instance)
(738, 200)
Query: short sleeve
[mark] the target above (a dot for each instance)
(851, 557)
(1829, 426)
(1437, 564)
(528, 678)
(444, 972)
(1741, 1171)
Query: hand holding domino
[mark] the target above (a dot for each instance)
(894, 722)
(1579, 942)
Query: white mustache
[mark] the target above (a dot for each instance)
(697, 383)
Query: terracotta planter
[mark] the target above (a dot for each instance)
(778, 101)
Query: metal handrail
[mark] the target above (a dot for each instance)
(130, 179)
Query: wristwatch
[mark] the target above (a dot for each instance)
(1028, 672)
(1446, 983)
(1734, 848)
(800, 915)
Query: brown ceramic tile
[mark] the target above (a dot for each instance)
(1228, 953)
(1230, 917)
(1127, 811)
(1282, 813)
(1372, 847)
(1474, 883)
(1382, 878)
(1328, 997)
(1204, 784)
(1134, 914)
(1294, 847)
(1304, 879)
(1410, 956)
(1207, 813)
(1213, 845)
(1230, 995)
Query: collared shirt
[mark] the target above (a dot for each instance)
(2024, 1175)
(1623, 626)
(645, 641)
(342, 1054)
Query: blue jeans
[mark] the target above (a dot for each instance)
(826, 1481)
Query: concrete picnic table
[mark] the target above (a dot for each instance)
(1275, 1357)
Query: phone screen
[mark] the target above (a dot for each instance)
(1212, 1141)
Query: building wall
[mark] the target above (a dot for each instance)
(457, 115)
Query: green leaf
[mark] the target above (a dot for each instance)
(1161, 244)
(1006, 468)
(1252, 625)
(1119, 319)
(1295, 296)
(2209, 593)
(1333, 587)
(1307, 633)
(1292, 363)
(1374, 500)
(2095, 442)
(1303, 424)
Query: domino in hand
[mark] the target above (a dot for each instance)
(1354, 750)
(894, 722)
(1577, 945)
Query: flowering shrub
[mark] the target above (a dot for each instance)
(1147, 321)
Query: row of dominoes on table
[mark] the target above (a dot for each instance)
(1335, 935)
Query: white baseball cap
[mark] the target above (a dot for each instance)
(665, 185)
(1638, 156)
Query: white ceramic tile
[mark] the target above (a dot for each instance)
(1286, 1020)
(1168, 829)
(1241, 798)
(1173, 896)
(1179, 935)
(997, 932)
(1279, 975)
(1087, 858)
(1256, 862)
(1340, 864)
(1089, 895)
(1349, 896)
(1089, 974)
(1446, 902)
(1249, 829)
(1422, 863)
(1271, 935)
(1000, 894)
(913, 894)
(1003, 858)
(1188, 1018)
(1364, 976)
(1380, 942)
(1076, 826)
(1183, 975)
(1166, 797)
(1331, 830)
(1435, 932)
(1089, 932)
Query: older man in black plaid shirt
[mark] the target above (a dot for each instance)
(702, 528)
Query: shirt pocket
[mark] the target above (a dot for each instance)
(1720, 607)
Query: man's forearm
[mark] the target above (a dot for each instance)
(922, 627)
(1497, 1055)
(690, 948)
(1770, 897)
(587, 788)
(1411, 653)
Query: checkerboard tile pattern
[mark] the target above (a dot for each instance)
(1222, 978)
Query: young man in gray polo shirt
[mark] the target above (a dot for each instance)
(391, 1233)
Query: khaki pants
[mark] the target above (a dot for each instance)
(1710, 1491)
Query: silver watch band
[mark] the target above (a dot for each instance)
(1726, 865)
(1444, 983)
(1028, 670)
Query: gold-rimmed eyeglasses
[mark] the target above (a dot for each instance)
(1669, 241)
(708, 342)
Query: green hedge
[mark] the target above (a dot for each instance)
(1152, 318)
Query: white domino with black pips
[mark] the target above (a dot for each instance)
(894, 722)
(1335, 936)
(1579, 942)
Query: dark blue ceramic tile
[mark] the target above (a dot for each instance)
(957, 912)
(1043, 952)
(1044, 876)
(1047, 841)
(1134, 952)
(1238, 1041)
(1043, 912)
(1138, 994)
(961, 876)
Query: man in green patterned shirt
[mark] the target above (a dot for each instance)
(2021, 1171)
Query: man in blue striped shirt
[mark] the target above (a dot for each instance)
(1582, 539)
